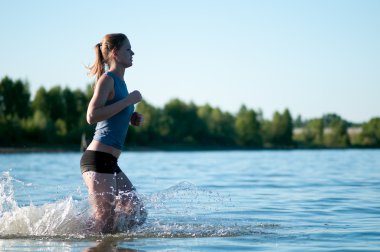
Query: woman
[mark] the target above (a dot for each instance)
(112, 195)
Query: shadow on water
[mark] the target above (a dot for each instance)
(107, 245)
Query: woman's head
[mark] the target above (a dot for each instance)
(113, 48)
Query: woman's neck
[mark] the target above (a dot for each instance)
(118, 71)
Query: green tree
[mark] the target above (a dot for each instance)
(266, 133)
(248, 128)
(336, 135)
(34, 127)
(61, 128)
(147, 133)
(71, 114)
(222, 127)
(329, 120)
(14, 98)
(313, 133)
(282, 129)
(10, 131)
(298, 122)
(55, 103)
(180, 123)
(51, 103)
(40, 101)
(219, 126)
(288, 128)
(371, 133)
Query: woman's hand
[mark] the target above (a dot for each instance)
(134, 97)
(137, 119)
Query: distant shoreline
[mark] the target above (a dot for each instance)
(4, 150)
(11, 150)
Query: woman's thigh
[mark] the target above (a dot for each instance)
(101, 189)
(123, 184)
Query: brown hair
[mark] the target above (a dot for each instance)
(103, 51)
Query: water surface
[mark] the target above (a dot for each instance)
(320, 200)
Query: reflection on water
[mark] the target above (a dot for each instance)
(106, 245)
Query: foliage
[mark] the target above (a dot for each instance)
(248, 128)
(218, 126)
(280, 130)
(337, 135)
(14, 98)
(57, 116)
(180, 124)
(313, 133)
(371, 133)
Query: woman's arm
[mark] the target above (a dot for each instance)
(104, 90)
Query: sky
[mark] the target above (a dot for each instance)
(311, 57)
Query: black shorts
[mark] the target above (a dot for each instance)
(98, 161)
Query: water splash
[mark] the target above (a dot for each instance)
(186, 200)
(183, 210)
(7, 202)
(63, 217)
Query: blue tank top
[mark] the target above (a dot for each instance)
(113, 130)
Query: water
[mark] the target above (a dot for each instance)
(322, 200)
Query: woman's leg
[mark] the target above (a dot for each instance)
(128, 205)
(101, 190)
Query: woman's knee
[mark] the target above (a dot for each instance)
(125, 202)
(131, 210)
(129, 203)
(104, 207)
(104, 213)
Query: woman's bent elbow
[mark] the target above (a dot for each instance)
(90, 119)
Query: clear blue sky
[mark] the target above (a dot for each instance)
(312, 57)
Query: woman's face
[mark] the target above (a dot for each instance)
(124, 54)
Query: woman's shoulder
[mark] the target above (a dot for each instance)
(106, 77)
(105, 80)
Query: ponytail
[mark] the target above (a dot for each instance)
(98, 68)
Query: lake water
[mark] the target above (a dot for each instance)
(315, 200)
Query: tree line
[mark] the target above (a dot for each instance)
(57, 117)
